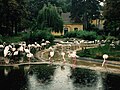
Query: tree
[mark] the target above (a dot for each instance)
(84, 11)
(48, 17)
(112, 19)
(12, 12)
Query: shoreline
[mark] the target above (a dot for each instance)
(82, 62)
(94, 67)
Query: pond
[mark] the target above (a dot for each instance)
(56, 77)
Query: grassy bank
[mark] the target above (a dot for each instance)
(114, 53)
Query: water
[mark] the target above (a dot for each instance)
(50, 77)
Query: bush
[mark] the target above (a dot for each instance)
(86, 35)
(71, 34)
(37, 36)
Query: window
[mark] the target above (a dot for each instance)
(65, 30)
(75, 29)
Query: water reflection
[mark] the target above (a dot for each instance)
(12, 79)
(84, 78)
(51, 77)
(112, 82)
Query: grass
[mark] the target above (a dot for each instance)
(114, 53)
(13, 39)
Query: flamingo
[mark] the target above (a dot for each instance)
(6, 50)
(21, 48)
(37, 45)
(105, 56)
(47, 42)
(15, 53)
(63, 56)
(1, 46)
(51, 54)
(73, 56)
(29, 55)
(27, 50)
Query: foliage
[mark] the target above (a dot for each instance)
(86, 35)
(112, 20)
(12, 12)
(84, 11)
(37, 36)
(48, 17)
(12, 39)
(114, 53)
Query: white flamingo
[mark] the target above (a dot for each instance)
(27, 50)
(1, 46)
(29, 55)
(21, 48)
(51, 54)
(47, 42)
(15, 53)
(73, 56)
(38, 45)
(105, 56)
(63, 56)
(6, 50)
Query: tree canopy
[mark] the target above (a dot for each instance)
(48, 17)
(12, 12)
(84, 11)
(112, 17)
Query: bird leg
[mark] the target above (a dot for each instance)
(103, 63)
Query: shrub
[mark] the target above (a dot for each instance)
(71, 34)
(37, 36)
(86, 35)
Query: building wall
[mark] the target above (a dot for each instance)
(57, 34)
(69, 27)
(98, 23)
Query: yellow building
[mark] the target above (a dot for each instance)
(98, 23)
(72, 27)
(68, 28)
(68, 25)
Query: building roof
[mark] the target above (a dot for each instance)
(66, 17)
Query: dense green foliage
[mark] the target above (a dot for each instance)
(84, 11)
(48, 17)
(86, 35)
(12, 13)
(37, 36)
(112, 18)
(30, 15)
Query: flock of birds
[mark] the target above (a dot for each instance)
(11, 50)
(14, 50)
